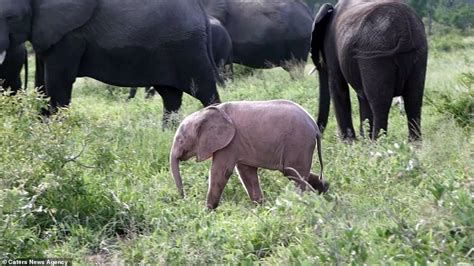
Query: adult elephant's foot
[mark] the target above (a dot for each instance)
(45, 112)
(133, 92)
(348, 136)
(172, 99)
(170, 120)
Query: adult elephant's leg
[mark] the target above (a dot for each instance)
(230, 71)
(13, 82)
(342, 104)
(172, 99)
(39, 75)
(61, 66)
(365, 114)
(58, 86)
(379, 80)
(248, 176)
(133, 92)
(207, 95)
(16, 85)
(150, 92)
(413, 98)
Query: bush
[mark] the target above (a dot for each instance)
(461, 106)
(45, 191)
(458, 14)
(241, 71)
(447, 42)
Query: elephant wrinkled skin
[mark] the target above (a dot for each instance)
(380, 49)
(163, 44)
(265, 33)
(221, 52)
(277, 135)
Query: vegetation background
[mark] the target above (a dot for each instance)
(93, 184)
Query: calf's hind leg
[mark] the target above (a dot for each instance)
(319, 184)
(299, 176)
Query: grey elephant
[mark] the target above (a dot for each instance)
(380, 49)
(165, 44)
(265, 33)
(11, 63)
(221, 47)
(221, 52)
(277, 135)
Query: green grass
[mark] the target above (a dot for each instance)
(93, 182)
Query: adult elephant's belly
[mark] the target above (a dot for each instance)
(269, 55)
(130, 66)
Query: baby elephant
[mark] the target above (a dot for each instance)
(277, 135)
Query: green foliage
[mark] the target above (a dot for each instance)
(461, 106)
(447, 42)
(92, 183)
(241, 71)
(420, 6)
(459, 14)
(45, 190)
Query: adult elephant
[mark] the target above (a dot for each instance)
(221, 47)
(10, 68)
(221, 51)
(156, 43)
(265, 33)
(380, 49)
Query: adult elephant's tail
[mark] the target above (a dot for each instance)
(321, 23)
(324, 99)
(26, 69)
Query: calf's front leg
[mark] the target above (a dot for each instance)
(221, 170)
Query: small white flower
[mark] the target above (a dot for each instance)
(396, 145)
(375, 154)
(411, 165)
(390, 152)
(420, 223)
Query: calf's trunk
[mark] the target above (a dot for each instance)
(176, 174)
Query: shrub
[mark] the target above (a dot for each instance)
(45, 189)
(461, 106)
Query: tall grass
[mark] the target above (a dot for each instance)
(92, 183)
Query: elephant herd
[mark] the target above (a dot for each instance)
(378, 47)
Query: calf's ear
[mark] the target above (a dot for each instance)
(215, 132)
